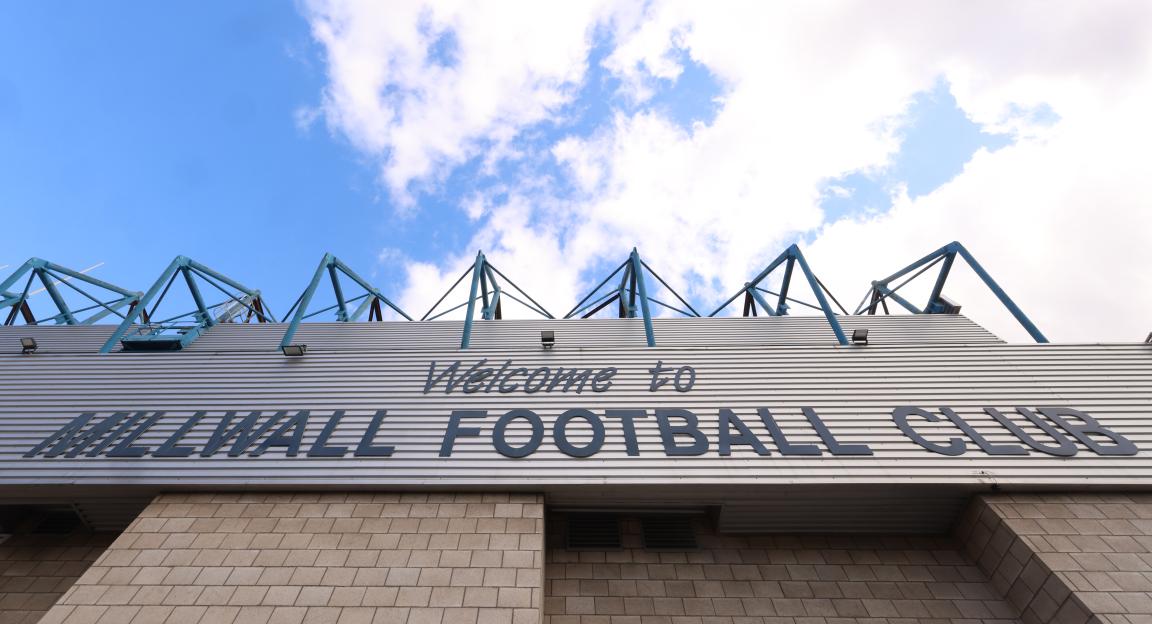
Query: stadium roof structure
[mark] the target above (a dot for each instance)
(631, 296)
(632, 291)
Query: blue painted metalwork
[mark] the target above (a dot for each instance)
(52, 275)
(638, 284)
(486, 289)
(369, 301)
(179, 331)
(755, 292)
(754, 299)
(477, 274)
(881, 290)
(782, 302)
(630, 291)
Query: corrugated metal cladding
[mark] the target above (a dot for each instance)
(525, 334)
(783, 364)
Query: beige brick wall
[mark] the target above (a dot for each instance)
(35, 570)
(772, 579)
(345, 558)
(478, 558)
(1069, 559)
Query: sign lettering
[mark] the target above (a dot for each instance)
(577, 432)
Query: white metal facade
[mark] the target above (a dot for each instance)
(741, 364)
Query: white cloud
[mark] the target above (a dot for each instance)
(516, 63)
(524, 252)
(391, 255)
(812, 91)
(1060, 224)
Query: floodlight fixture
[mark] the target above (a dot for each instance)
(294, 350)
(944, 305)
(28, 345)
(860, 336)
(548, 339)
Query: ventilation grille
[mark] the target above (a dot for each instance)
(57, 522)
(593, 531)
(668, 532)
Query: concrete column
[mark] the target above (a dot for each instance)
(340, 557)
(1065, 558)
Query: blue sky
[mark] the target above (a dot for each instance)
(130, 133)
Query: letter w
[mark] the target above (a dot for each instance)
(450, 373)
(242, 432)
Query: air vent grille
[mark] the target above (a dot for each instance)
(668, 532)
(593, 531)
(57, 522)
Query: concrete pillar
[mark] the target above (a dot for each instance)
(1065, 558)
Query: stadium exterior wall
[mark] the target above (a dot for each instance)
(934, 474)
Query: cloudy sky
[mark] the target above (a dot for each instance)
(404, 136)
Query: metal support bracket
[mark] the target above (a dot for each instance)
(882, 290)
(176, 332)
(487, 289)
(369, 301)
(630, 295)
(51, 276)
(754, 294)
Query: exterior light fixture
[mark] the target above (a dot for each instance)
(28, 345)
(294, 350)
(547, 339)
(860, 336)
(1148, 340)
(943, 305)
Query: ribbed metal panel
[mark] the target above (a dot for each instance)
(845, 513)
(854, 389)
(525, 334)
(782, 364)
(55, 339)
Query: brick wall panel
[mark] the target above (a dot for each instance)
(771, 580)
(233, 558)
(1075, 557)
(35, 570)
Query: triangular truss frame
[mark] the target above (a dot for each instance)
(50, 276)
(881, 290)
(176, 332)
(790, 259)
(630, 295)
(486, 290)
(370, 301)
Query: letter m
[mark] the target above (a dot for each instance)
(71, 439)
(571, 377)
